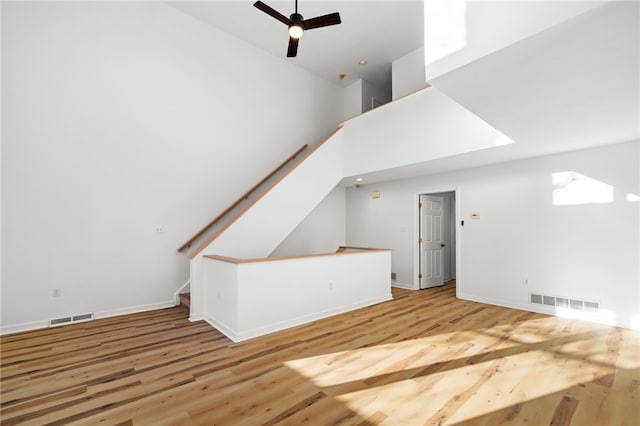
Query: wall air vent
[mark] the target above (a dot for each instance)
(60, 321)
(576, 304)
(564, 302)
(590, 306)
(83, 317)
(70, 320)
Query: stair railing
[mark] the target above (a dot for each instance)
(244, 197)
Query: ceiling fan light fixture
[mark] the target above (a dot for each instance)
(295, 31)
(297, 24)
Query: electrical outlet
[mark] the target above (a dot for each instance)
(56, 292)
(160, 229)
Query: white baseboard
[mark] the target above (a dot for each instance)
(134, 309)
(242, 335)
(599, 318)
(281, 325)
(218, 325)
(402, 285)
(36, 325)
(25, 326)
(176, 295)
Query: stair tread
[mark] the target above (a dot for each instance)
(185, 299)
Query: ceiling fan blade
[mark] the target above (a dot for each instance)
(321, 21)
(293, 47)
(272, 12)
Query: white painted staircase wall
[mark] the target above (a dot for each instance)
(258, 230)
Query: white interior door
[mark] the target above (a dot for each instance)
(431, 250)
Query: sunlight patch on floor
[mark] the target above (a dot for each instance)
(460, 376)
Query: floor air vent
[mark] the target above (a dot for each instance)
(70, 320)
(563, 302)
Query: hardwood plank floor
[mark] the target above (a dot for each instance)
(423, 358)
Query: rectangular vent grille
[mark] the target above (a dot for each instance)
(83, 317)
(60, 321)
(535, 298)
(70, 320)
(563, 302)
(590, 306)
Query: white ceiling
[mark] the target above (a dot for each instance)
(376, 31)
(573, 86)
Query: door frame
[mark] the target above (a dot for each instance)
(416, 234)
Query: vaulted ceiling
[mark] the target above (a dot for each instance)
(552, 76)
(376, 31)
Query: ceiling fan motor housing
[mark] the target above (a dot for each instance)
(297, 24)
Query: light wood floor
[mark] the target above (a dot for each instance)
(423, 358)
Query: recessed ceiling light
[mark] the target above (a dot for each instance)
(359, 180)
(363, 62)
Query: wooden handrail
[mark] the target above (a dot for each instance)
(342, 249)
(277, 259)
(241, 199)
(255, 200)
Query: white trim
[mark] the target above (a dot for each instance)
(239, 336)
(458, 235)
(281, 325)
(176, 295)
(218, 325)
(134, 309)
(25, 326)
(598, 318)
(402, 285)
(36, 325)
(416, 230)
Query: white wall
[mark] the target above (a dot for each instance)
(587, 251)
(119, 118)
(353, 100)
(278, 294)
(322, 231)
(357, 97)
(455, 35)
(369, 91)
(271, 218)
(408, 74)
(424, 126)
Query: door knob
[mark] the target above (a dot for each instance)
(441, 245)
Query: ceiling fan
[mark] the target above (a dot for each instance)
(297, 24)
